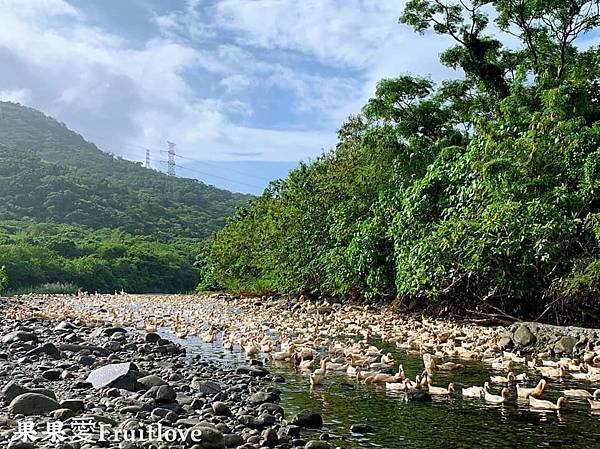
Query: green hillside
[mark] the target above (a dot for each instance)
(49, 173)
(72, 215)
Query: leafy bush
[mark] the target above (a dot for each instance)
(3, 279)
(94, 260)
(482, 192)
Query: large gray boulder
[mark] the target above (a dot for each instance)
(523, 336)
(308, 420)
(565, 345)
(19, 336)
(116, 375)
(48, 349)
(13, 389)
(30, 404)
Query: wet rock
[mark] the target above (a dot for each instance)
(210, 437)
(316, 444)
(118, 375)
(152, 337)
(308, 420)
(260, 397)
(46, 349)
(523, 336)
(62, 414)
(165, 393)
(87, 360)
(29, 404)
(251, 421)
(165, 413)
(77, 405)
(221, 409)
(12, 389)
(206, 386)
(19, 336)
(565, 345)
(292, 431)
(52, 374)
(232, 440)
(270, 437)
(151, 381)
(255, 371)
(361, 428)
(19, 444)
(273, 409)
(65, 326)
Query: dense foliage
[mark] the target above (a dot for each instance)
(51, 174)
(481, 192)
(3, 279)
(39, 256)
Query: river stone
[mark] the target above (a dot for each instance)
(221, 409)
(46, 349)
(270, 437)
(255, 371)
(273, 409)
(260, 397)
(117, 375)
(211, 438)
(20, 444)
(206, 386)
(361, 428)
(151, 381)
(152, 337)
(64, 326)
(233, 440)
(165, 393)
(29, 404)
(87, 360)
(19, 336)
(77, 405)
(308, 419)
(565, 344)
(316, 444)
(12, 389)
(62, 414)
(250, 421)
(523, 336)
(52, 374)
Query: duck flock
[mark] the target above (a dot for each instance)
(321, 339)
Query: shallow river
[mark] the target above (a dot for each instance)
(446, 423)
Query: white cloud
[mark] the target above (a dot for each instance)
(327, 54)
(16, 96)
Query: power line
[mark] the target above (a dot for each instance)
(260, 178)
(220, 177)
(211, 175)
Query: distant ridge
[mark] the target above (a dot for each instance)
(49, 173)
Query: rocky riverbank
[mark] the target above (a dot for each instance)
(559, 340)
(69, 385)
(67, 361)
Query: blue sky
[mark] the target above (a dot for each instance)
(245, 88)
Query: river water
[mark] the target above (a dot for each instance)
(451, 422)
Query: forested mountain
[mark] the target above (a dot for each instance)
(49, 173)
(480, 194)
(72, 215)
